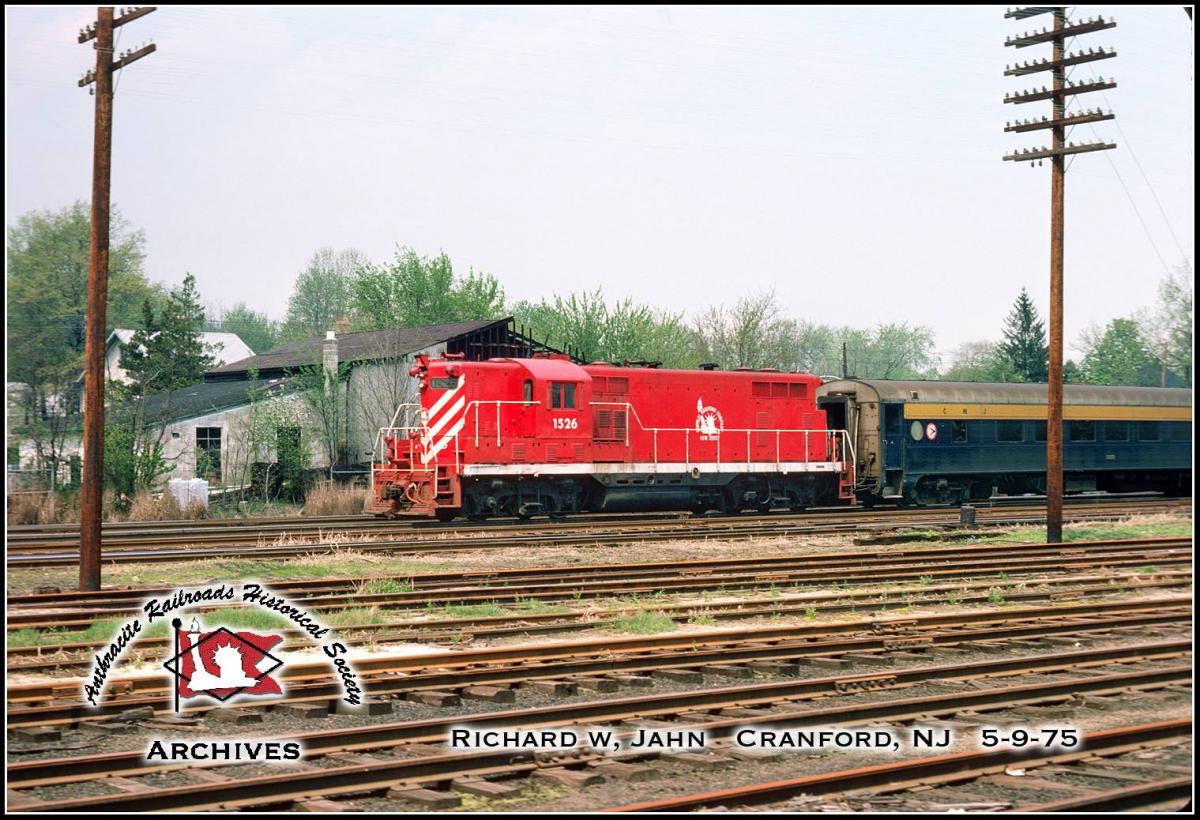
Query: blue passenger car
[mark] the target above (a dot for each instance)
(935, 442)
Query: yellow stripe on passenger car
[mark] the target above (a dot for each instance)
(1092, 412)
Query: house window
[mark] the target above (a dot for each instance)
(562, 395)
(208, 453)
(1148, 431)
(1083, 431)
(959, 432)
(1010, 431)
(1116, 431)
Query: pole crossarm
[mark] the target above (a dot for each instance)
(1023, 12)
(126, 58)
(1076, 58)
(1069, 89)
(127, 16)
(1062, 122)
(1033, 38)
(1046, 153)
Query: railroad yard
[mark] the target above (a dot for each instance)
(565, 409)
(884, 620)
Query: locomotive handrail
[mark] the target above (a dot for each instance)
(475, 403)
(843, 435)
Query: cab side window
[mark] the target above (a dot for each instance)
(527, 391)
(562, 395)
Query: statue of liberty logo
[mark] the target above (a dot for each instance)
(709, 421)
(221, 663)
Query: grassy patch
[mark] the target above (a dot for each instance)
(536, 606)
(1089, 532)
(348, 618)
(643, 623)
(385, 586)
(97, 632)
(474, 611)
(702, 620)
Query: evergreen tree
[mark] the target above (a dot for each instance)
(167, 352)
(1024, 344)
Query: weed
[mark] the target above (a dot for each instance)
(643, 623)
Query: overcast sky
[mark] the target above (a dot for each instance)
(847, 158)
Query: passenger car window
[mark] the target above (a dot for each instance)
(960, 432)
(1039, 431)
(1116, 431)
(1181, 431)
(1083, 431)
(1010, 431)
(1148, 431)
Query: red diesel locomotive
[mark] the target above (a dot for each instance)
(547, 436)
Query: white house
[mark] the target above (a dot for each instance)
(223, 347)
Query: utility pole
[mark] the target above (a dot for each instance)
(1057, 154)
(92, 494)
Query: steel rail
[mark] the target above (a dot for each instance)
(53, 771)
(961, 767)
(56, 656)
(560, 573)
(692, 530)
(133, 531)
(499, 669)
(558, 592)
(1126, 798)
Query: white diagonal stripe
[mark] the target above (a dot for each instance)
(445, 397)
(429, 454)
(443, 420)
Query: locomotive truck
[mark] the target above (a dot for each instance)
(544, 435)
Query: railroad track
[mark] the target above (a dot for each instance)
(64, 610)
(117, 533)
(843, 700)
(966, 768)
(245, 542)
(429, 677)
(76, 656)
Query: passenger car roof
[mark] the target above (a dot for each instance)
(1001, 393)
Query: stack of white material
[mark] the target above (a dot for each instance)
(188, 491)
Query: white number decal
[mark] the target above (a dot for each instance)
(566, 424)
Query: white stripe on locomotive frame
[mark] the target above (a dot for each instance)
(652, 468)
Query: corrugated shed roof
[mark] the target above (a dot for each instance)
(1000, 393)
(354, 347)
